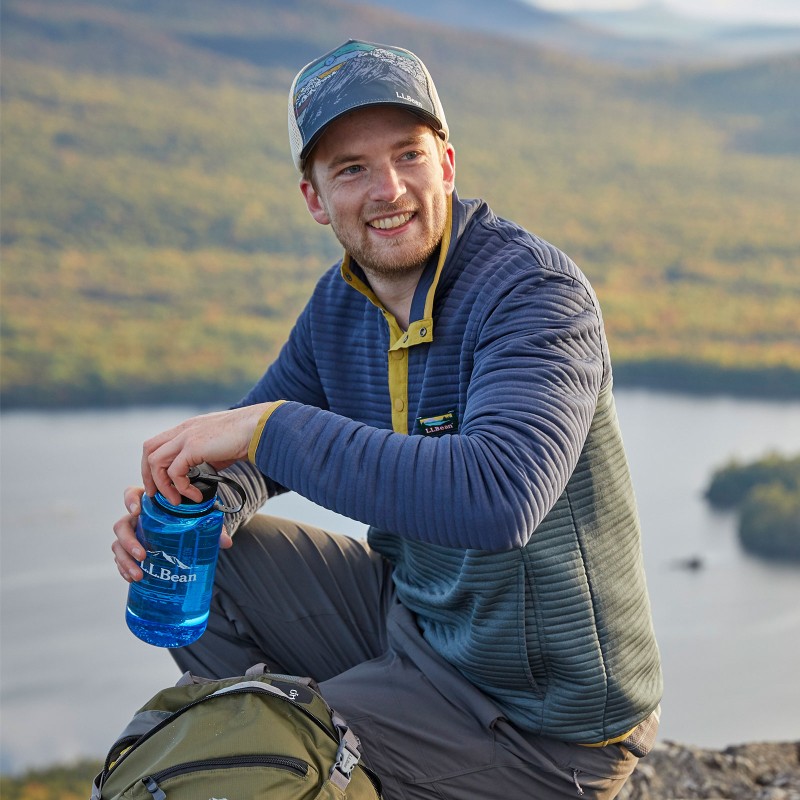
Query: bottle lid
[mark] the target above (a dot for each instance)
(206, 479)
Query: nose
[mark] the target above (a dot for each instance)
(386, 186)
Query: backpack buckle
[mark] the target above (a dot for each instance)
(347, 757)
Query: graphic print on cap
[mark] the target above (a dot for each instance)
(365, 74)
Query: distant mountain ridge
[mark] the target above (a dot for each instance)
(705, 38)
(148, 195)
(649, 35)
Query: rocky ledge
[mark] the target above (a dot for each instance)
(768, 771)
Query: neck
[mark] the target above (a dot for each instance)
(396, 292)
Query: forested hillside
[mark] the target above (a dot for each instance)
(155, 247)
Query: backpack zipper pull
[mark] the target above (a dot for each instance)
(153, 788)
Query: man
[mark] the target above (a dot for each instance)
(448, 384)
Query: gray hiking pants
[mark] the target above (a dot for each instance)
(312, 603)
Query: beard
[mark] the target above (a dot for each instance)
(399, 255)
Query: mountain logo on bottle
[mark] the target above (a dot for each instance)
(164, 573)
(167, 557)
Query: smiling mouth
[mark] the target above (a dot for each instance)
(388, 223)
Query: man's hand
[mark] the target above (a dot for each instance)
(128, 553)
(218, 439)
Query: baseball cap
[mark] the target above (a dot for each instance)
(354, 75)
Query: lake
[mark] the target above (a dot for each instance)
(72, 674)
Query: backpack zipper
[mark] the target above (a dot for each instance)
(151, 782)
(135, 741)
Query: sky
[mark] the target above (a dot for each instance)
(767, 11)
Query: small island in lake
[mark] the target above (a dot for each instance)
(766, 494)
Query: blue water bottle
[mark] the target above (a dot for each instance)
(169, 606)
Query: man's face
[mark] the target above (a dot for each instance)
(381, 181)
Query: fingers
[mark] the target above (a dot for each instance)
(168, 468)
(150, 446)
(225, 540)
(168, 457)
(155, 460)
(217, 438)
(132, 498)
(126, 548)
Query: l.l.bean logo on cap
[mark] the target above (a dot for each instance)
(404, 96)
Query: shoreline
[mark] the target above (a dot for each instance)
(687, 380)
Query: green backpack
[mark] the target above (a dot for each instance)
(246, 738)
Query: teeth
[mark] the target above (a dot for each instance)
(391, 222)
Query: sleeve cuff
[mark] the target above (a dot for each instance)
(256, 438)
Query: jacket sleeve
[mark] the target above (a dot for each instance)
(538, 369)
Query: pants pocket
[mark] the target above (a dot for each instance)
(568, 770)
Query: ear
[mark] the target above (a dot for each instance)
(449, 168)
(314, 202)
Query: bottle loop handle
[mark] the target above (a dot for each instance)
(212, 477)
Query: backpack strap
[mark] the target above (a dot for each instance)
(188, 679)
(257, 670)
(347, 756)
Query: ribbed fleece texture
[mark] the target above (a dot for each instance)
(516, 540)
